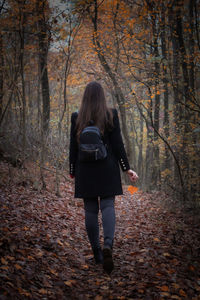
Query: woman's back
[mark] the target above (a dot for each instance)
(99, 178)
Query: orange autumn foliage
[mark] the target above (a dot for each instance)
(132, 189)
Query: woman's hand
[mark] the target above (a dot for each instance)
(132, 175)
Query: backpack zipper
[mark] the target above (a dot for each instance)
(96, 154)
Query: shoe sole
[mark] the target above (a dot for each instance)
(108, 265)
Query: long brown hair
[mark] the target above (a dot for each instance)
(93, 109)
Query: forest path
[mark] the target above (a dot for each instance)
(45, 252)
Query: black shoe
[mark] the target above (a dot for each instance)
(98, 255)
(107, 260)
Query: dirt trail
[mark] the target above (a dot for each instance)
(45, 253)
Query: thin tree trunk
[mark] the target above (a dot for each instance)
(156, 176)
(23, 90)
(178, 111)
(140, 155)
(167, 161)
(118, 92)
(195, 172)
(148, 161)
(196, 24)
(43, 38)
(191, 44)
(1, 74)
(187, 94)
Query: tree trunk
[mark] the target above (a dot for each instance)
(118, 92)
(191, 45)
(167, 160)
(43, 39)
(194, 159)
(1, 74)
(187, 95)
(156, 159)
(140, 155)
(21, 61)
(148, 161)
(177, 106)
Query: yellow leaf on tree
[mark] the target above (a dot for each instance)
(132, 189)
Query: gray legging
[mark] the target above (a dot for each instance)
(91, 206)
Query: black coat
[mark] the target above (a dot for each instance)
(99, 178)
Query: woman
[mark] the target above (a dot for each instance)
(99, 179)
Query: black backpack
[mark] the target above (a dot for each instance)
(91, 147)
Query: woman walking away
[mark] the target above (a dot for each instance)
(94, 162)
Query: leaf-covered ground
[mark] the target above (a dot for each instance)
(45, 252)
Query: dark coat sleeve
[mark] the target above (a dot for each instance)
(73, 148)
(117, 143)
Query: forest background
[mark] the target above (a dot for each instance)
(145, 54)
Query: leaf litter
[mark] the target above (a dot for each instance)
(45, 253)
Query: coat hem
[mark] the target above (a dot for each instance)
(103, 196)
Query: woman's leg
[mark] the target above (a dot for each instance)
(108, 220)
(91, 206)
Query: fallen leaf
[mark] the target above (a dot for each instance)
(191, 268)
(176, 286)
(59, 242)
(70, 282)
(24, 292)
(3, 261)
(30, 257)
(4, 267)
(98, 297)
(166, 254)
(85, 267)
(53, 272)
(165, 294)
(182, 293)
(18, 267)
(10, 257)
(164, 288)
(156, 240)
(43, 291)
